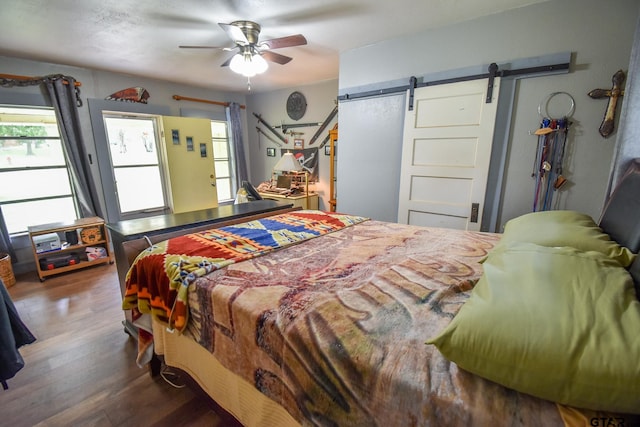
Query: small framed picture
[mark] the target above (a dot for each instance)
(189, 143)
(203, 150)
(271, 152)
(175, 136)
(327, 150)
(298, 143)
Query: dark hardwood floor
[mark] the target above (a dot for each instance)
(81, 370)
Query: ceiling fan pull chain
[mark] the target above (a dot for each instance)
(249, 83)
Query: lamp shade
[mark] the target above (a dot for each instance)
(288, 163)
(248, 65)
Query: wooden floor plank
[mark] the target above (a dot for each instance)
(81, 370)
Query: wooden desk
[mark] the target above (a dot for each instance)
(299, 201)
(130, 237)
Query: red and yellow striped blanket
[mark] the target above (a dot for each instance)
(159, 278)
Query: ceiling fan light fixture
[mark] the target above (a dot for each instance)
(248, 65)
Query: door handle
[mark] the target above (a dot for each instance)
(475, 207)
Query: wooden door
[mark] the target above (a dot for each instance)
(445, 155)
(191, 172)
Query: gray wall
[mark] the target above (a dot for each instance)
(371, 135)
(321, 98)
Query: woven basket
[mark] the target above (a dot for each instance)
(6, 270)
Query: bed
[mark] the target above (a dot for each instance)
(342, 320)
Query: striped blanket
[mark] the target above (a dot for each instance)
(159, 278)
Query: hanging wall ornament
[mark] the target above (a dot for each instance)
(548, 164)
(296, 106)
(616, 91)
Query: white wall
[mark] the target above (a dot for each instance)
(600, 36)
(321, 98)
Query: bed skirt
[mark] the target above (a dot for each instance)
(235, 395)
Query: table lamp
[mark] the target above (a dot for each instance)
(288, 163)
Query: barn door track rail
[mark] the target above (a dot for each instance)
(492, 72)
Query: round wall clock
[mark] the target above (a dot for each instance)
(296, 105)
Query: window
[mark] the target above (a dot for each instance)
(133, 148)
(222, 161)
(35, 187)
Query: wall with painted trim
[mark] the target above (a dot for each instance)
(370, 131)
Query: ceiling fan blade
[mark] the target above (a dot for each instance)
(275, 57)
(288, 41)
(227, 62)
(235, 33)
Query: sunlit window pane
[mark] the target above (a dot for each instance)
(16, 153)
(131, 141)
(219, 129)
(19, 216)
(220, 148)
(139, 188)
(224, 188)
(222, 169)
(32, 184)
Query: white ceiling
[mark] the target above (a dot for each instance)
(141, 37)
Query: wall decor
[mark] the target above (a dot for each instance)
(616, 91)
(308, 159)
(131, 94)
(271, 152)
(298, 143)
(175, 136)
(203, 150)
(296, 105)
(189, 143)
(327, 150)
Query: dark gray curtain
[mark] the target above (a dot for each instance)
(65, 100)
(240, 164)
(5, 239)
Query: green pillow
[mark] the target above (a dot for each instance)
(555, 323)
(564, 228)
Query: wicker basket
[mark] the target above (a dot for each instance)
(6, 270)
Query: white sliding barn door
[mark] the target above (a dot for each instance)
(446, 151)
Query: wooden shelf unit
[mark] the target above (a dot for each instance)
(76, 226)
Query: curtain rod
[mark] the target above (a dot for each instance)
(206, 101)
(16, 77)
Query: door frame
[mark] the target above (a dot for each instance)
(96, 109)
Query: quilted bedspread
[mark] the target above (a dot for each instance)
(334, 329)
(158, 280)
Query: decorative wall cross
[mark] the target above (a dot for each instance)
(606, 128)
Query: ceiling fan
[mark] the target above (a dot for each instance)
(251, 52)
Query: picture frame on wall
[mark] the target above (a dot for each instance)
(175, 136)
(327, 150)
(189, 143)
(298, 144)
(203, 150)
(271, 152)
